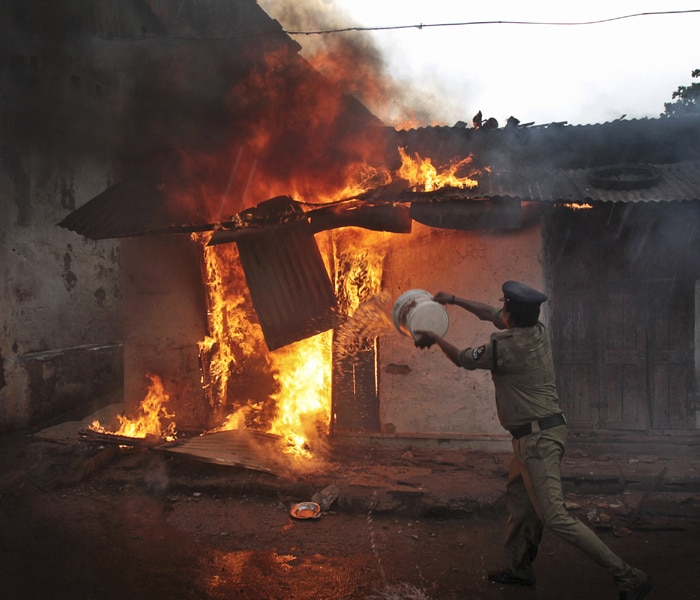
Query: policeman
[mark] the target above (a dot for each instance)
(520, 360)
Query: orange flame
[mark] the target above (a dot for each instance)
(150, 417)
(296, 405)
(234, 333)
(303, 402)
(424, 176)
(359, 266)
(299, 407)
(284, 123)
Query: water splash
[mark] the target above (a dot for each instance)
(398, 591)
(373, 541)
(371, 319)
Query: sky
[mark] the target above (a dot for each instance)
(579, 74)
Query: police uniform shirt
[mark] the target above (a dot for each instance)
(520, 361)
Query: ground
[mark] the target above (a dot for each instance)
(131, 523)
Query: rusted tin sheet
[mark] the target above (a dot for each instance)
(289, 286)
(235, 448)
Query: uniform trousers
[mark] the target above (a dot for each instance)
(535, 500)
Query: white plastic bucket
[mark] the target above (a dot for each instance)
(415, 310)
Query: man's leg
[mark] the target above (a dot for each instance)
(542, 478)
(524, 531)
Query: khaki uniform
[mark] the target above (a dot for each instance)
(520, 361)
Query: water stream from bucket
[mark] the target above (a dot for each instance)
(401, 591)
(371, 319)
(373, 541)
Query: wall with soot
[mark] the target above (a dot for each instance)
(60, 300)
(60, 346)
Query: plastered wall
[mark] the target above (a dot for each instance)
(421, 391)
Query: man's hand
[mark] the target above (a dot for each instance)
(424, 339)
(444, 298)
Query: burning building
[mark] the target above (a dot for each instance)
(266, 222)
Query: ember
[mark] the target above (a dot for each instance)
(577, 206)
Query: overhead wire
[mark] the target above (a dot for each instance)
(419, 26)
(491, 22)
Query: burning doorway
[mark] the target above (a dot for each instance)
(277, 368)
(194, 328)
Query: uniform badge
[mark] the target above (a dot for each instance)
(477, 353)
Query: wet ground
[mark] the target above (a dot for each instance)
(129, 523)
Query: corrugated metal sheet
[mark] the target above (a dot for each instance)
(562, 146)
(678, 182)
(128, 209)
(131, 209)
(289, 286)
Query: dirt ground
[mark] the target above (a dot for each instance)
(124, 528)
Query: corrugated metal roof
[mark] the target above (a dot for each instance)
(131, 208)
(562, 146)
(677, 182)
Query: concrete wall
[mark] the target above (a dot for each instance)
(59, 301)
(421, 391)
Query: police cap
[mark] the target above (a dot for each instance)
(514, 291)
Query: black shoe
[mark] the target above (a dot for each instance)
(637, 593)
(508, 578)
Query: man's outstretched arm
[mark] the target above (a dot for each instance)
(427, 339)
(479, 309)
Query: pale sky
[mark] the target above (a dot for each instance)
(537, 73)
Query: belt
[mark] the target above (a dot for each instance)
(546, 423)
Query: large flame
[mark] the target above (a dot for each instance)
(304, 400)
(235, 335)
(424, 176)
(290, 133)
(299, 408)
(291, 393)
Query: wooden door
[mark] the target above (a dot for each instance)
(623, 388)
(623, 314)
(575, 343)
(670, 354)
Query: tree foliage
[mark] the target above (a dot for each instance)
(686, 100)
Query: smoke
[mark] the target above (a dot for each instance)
(209, 102)
(352, 60)
(252, 119)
